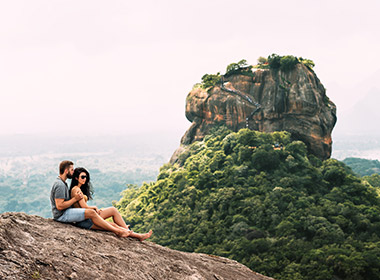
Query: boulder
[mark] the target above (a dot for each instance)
(265, 100)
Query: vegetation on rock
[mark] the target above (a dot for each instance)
(262, 200)
(210, 80)
(239, 68)
(274, 61)
(307, 62)
(284, 63)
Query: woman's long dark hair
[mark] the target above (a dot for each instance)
(87, 188)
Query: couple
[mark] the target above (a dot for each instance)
(70, 205)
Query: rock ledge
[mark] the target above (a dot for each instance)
(32, 247)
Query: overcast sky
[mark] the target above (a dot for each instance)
(95, 67)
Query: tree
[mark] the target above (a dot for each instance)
(236, 66)
(262, 60)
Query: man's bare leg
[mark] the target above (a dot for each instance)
(141, 236)
(100, 223)
(116, 216)
(119, 221)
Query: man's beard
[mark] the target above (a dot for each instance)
(69, 176)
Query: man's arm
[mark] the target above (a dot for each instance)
(61, 204)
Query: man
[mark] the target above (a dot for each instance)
(63, 212)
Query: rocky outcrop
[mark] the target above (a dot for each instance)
(272, 100)
(32, 247)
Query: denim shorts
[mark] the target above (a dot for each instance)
(87, 224)
(76, 216)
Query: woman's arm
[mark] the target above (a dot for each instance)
(81, 202)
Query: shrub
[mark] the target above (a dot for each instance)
(288, 62)
(307, 62)
(274, 61)
(285, 63)
(210, 80)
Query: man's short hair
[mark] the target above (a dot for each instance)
(64, 165)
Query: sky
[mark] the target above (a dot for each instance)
(124, 67)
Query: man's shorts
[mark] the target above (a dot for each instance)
(87, 224)
(76, 216)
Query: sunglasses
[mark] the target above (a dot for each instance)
(83, 177)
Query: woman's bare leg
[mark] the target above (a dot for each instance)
(117, 226)
(112, 224)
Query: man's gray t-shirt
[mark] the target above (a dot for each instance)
(58, 190)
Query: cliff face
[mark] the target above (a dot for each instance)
(32, 247)
(272, 100)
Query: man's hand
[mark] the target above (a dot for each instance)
(78, 196)
(97, 210)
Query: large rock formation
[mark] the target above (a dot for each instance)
(32, 247)
(294, 101)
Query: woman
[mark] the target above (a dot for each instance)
(81, 182)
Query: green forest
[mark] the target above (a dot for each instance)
(262, 200)
(363, 167)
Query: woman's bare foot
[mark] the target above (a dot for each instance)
(144, 236)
